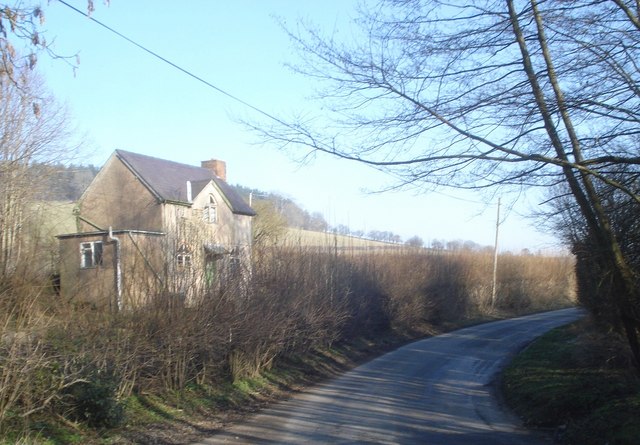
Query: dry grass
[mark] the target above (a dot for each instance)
(298, 300)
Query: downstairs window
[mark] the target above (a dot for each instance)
(90, 254)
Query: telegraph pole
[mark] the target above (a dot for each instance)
(495, 259)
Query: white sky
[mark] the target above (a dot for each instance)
(121, 97)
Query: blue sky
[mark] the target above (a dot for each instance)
(123, 98)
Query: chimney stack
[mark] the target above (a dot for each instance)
(217, 167)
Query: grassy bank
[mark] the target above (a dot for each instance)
(199, 410)
(578, 383)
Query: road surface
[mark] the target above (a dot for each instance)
(433, 391)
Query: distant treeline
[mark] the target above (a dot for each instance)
(295, 216)
(68, 182)
(64, 182)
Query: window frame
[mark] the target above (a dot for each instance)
(184, 259)
(234, 263)
(91, 254)
(210, 211)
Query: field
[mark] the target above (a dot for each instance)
(300, 237)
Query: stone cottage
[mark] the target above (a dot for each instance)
(153, 228)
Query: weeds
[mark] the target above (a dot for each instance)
(85, 366)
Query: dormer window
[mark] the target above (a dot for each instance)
(210, 211)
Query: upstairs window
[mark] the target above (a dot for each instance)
(210, 211)
(90, 254)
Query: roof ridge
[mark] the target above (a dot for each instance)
(126, 152)
(166, 179)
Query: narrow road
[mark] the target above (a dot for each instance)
(435, 391)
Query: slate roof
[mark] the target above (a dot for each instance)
(168, 180)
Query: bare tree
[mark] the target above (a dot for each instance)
(32, 131)
(415, 241)
(22, 23)
(22, 38)
(269, 226)
(489, 94)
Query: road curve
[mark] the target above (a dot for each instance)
(433, 391)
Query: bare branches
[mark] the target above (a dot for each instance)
(441, 87)
(488, 94)
(33, 130)
(21, 40)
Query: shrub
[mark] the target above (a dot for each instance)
(93, 399)
(56, 357)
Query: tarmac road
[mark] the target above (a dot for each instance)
(434, 391)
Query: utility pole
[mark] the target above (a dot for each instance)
(495, 260)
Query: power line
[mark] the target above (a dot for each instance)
(210, 85)
(167, 61)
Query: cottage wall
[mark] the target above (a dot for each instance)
(230, 230)
(116, 198)
(141, 264)
(242, 226)
(143, 268)
(93, 285)
(222, 242)
(167, 247)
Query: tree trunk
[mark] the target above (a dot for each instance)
(582, 187)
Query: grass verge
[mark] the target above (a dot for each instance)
(579, 383)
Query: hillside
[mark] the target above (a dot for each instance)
(309, 238)
(65, 184)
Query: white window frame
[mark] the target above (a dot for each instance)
(183, 257)
(210, 211)
(184, 260)
(91, 254)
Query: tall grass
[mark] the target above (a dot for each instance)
(66, 360)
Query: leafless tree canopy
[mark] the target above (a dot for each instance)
(33, 130)
(23, 37)
(489, 93)
(473, 95)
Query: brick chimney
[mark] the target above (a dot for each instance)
(217, 167)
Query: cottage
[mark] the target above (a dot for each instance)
(149, 227)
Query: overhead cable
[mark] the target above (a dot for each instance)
(176, 66)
